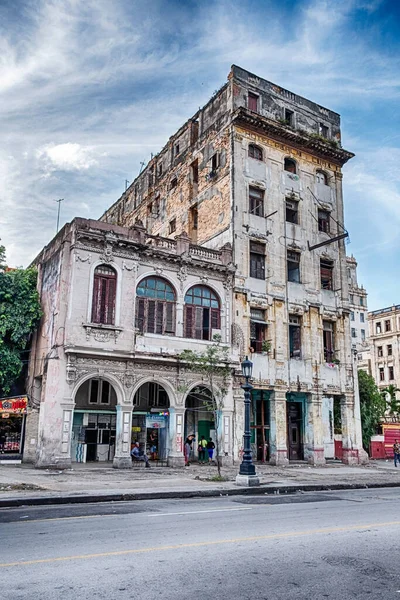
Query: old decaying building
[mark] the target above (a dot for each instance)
(358, 309)
(383, 360)
(259, 167)
(119, 307)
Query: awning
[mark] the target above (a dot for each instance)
(16, 405)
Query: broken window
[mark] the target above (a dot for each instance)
(172, 226)
(326, 267)
(321, 177)
(202, 313)
(387, 325)
(293, 266)
(380, 351)
(362, 319)
(378, 327)
(328, 339)
(174, 183)
(214, 163)
(294, 336)
(389, 350)
(255, 152)
(381, 374)
(290, 165)
(323, 130)
(257, 260)
(176, 149)
(252, 102)
(256, 201)
(289, 117)
(258, 330)
(323, 220)
(194, 131)
(150, 180)
(104, 294)
(391, 373)
(363, 335)
(353, 332)
(292, 211)
(195, 171)
(194, 214)
(155, 306)
(160, 169)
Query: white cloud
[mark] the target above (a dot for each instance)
(66, 157)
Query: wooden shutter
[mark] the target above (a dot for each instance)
(215, 318)
(198, 323)
(140, 303)
(188, 325)
(96, 300)
(159, 324)
(169, 318)
(109, 308)
(151, 316)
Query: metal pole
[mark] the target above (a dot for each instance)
(247, 467)
(58, 212)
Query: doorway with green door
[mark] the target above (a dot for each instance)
(199, 417)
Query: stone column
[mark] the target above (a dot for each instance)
(278, 429)
(314, 451)
(353, 453)
(176, 438)
(54, 443)
(226, 440)
(122, 458)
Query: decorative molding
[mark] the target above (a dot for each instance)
(80, 258)
(101, 334)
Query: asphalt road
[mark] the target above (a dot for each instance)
(308, 546)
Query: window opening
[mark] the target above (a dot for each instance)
(362, 319)
(381, 374)
(202, 313)
(252, 102)
(389, 350)
(391, 373)
(387, 325)
(257, 260)
(155, 306)
(378, 327)
(104, 294)
(292, 211)
(361, 301)
(99, 392)
(323, 130)
(255, 152)
(290, 165)
(160, 169)
(172, 226)
(289, 117)
(258, 330)
(294, 336)
(353, 332)
(176, 149)
(321, 177)
(323, 221)
(256, 201)
(174, 183)
(195, 171)
(380, 351)
(328, 338)
(363, 335)
(293, 266)
(326, 267)
(352, 318)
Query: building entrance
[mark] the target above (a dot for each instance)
(150, 421)
(295, 430)
(260, 426)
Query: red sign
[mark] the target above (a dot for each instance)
(14, 406)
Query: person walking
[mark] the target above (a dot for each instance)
(188, 448)
(210, 450)
(396, 452)
(138, 456)
(202, 449)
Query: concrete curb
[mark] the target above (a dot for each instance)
(127, 497)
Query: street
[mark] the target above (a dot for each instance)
(311, 545)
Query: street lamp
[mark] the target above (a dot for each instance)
(247, 472)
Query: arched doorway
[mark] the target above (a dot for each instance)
(150, 420)
(199, 416)
(94, 423)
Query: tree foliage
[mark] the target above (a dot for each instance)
(19, 315)
(213, 365)
(372, 406)
(392, 403)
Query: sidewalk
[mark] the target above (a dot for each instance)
(25, 485)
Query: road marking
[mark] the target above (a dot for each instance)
(67, 518)
(255, 538)
(198, 512)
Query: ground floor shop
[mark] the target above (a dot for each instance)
(12, 428)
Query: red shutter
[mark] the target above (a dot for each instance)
(188, 325)
(110, 301)
(169, 318)
(151, 316)
(96, 300)
(140, 314)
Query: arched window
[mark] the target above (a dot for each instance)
(321, 177)
(104, 293)
(202, 313)
(255, 152)
(155, 306)
(290, 165)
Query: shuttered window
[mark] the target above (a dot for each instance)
(104, 293)
(257, 260)
(155, 306)
(202, 313)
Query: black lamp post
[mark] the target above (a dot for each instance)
(247, 467)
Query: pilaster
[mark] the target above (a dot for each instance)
(314, 451)
(278, 429)
(122, 458)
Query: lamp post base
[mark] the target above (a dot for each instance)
(247, 480)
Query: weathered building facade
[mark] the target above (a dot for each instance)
(119, 307)
(259, 168)
(384, 346)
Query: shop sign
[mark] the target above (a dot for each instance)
(136, 429)
(156, 421)
(13, 406)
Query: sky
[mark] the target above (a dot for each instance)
(90, 88)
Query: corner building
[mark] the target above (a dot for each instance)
(259, 167)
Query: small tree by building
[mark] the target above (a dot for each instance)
(213, 365)
(372, 407)
(20, 313)
(392, 403)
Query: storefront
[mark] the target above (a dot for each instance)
(150, 421)
(12, 427)
(260, 425)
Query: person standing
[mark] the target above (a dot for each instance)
(202, 449)
(210, 450)
(396, 452)
(137, 456)
(188, 448)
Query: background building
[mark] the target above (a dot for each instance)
(260, 167)
(384, 341)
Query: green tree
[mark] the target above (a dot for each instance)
(372, 407)
(392, 403)
(20, 313)
(213, 365)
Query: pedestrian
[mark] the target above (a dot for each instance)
(396, 452)
(202, 449)
(138, 456)
(210, 450)
(188, 448)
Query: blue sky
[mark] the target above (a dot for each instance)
(88, 89)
